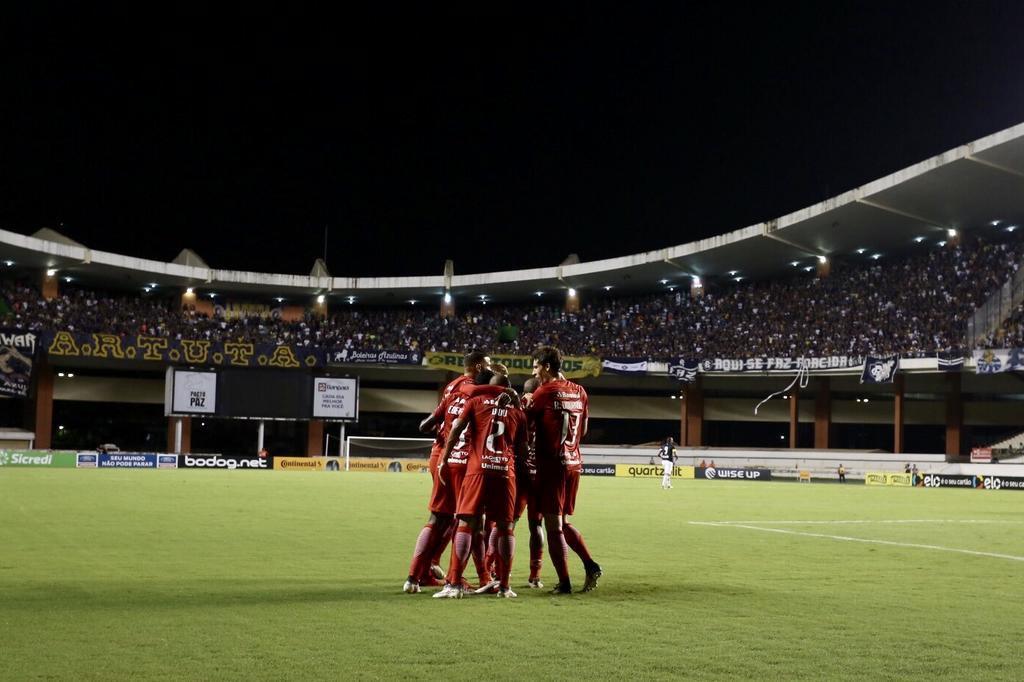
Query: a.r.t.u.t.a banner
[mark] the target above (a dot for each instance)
(180, 351)
(17, 356)
(573, 367)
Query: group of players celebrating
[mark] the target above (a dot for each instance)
(497, 454)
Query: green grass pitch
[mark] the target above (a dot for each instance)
(253, 575)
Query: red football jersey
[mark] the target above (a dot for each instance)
(559, 413)
(440, 413)
(495, 433)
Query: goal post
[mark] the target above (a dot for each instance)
(374, 453)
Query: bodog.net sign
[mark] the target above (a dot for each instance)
(299, 463)
(650, 471)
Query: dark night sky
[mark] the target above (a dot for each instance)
(423, 138)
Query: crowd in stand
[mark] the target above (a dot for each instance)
(915, 305)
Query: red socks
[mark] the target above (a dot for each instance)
(460, 554)
(575, 542)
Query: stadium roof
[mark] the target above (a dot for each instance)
(976, 187)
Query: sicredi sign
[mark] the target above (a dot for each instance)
(335, 398)
(194, 392)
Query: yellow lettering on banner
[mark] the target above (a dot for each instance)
(239, 352)
(572, 367)
(283, 356)
(152, 346)
(107, 345)
(195, 351)
(63, 344)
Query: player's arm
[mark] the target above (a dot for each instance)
(458, 426)
(430, 423)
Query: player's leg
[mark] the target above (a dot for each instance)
(536, 550)
(430, 536)
(506, 553)
(461, 549)
(573, 537)
(664, 475)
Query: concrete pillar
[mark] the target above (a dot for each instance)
(186, 435)
(315, 438)
(954, 417)
(42, 404)
(898, 413)
(822, 414)
(692, 414)
(794, 417)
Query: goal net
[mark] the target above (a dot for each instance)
(365, 453)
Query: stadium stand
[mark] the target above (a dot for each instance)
(914, 305)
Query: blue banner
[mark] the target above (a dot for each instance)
(126, 460)
(356, 356)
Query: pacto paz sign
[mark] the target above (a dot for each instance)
(194, 392)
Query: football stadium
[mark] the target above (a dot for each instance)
(791, 450)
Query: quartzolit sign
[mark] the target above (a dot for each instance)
(715, 473)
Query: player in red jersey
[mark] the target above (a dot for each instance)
(526, 494)
(496, 429)
(433, 537)
(559, 411)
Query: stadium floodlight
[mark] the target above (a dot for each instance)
(664, 281)
(8, 263)
(1011, 228)
(212, 295)
(697, 281)
(607, 287)
(572, 293)
(146, 289)
(189, 291)
(822, 259)
(60, 428)
(738, 279)
(672, 288)
(951, 232)
(732, 273)
(794, 263)
(51, 272)
(483, 297)
(71, 375)
(876, 256)
(279, 299)
(538, 293)
(67, 279)
(447, 297)
(60, 374)
(320, 299)
(808, 268)
(152, 285)
(412, 301)
(942, 243)
(918, 239)
(994, 223)
(861, 250)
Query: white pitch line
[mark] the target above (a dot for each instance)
(837, 522)
(847, 538)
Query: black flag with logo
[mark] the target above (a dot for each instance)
(880, 370)
(950, 360)
(684, 369)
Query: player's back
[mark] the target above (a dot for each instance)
(559, 411)
(495, 431)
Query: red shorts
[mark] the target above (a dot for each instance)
(495, 495)
(526, 497)
(556, 492)
(444, 498)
